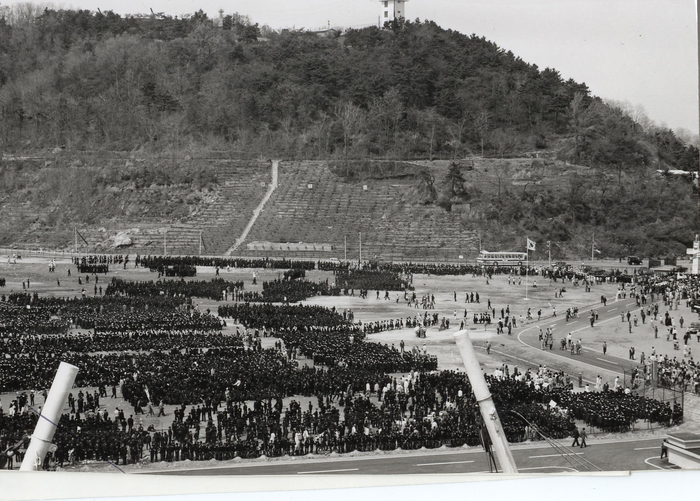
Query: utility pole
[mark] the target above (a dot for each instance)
(165, 253)
(345, 254)
(593, 247)
(200, 242)
(75, 234)
(360, 249)
(527, 266)
(549, 249)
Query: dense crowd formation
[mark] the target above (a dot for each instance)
(372, 279)
(418, 410)
(216, 288)
(277, 317)
(147, 342)
(112, 341)
(93, 259)
(291, 291)
(25, 313)
(161, 262)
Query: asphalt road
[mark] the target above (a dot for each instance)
(608, 456)
(610, 313)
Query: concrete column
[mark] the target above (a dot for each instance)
(50, 414)
(486, 406)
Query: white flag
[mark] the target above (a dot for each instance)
(530, 245)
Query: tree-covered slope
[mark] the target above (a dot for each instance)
(162, 87)
(89, 80)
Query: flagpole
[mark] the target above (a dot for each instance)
(360, 249)
(200, 242)
(527, 264)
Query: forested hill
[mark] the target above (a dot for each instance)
(98, 81)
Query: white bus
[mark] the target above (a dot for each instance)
(516, 258)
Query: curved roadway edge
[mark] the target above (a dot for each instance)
(589, 356)
(258, 209)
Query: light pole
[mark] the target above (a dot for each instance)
(549, 250)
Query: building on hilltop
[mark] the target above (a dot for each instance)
(391, 10)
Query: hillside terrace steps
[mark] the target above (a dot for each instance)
(221, 221)
(334, 208)
(259, 209)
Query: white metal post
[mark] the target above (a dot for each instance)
(527, 265)
(486, 405)
(360, 249)
(50, 415)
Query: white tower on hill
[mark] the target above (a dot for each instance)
(392, 9)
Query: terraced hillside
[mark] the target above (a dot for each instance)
(138, 202)
(313, 205)
(221, 221)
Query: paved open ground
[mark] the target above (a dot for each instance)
(608, 456)
(521, 348)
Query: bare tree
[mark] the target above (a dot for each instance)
(481, 125)
(456, 131)
(351, 119)
(575, 110)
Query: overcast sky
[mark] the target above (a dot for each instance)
(641, 51)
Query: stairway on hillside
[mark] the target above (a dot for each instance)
(241, 187)
(258, 210)
(332, 209)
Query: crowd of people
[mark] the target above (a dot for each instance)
(149, 343)
(271, 318)
(420, 409)
(291, 291)
(37, 345)
(364, 279)
(107, 259)
(217, 288)
(160, 262)
(30, 313)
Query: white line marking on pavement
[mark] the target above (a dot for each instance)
(557, 455)
(630, 304)
(608, 361)
(326, 471)
(597, 323)
(645, 448)
(652, 464)
(612, 309)
(537, 468)
(446, 462)
(549, 467)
